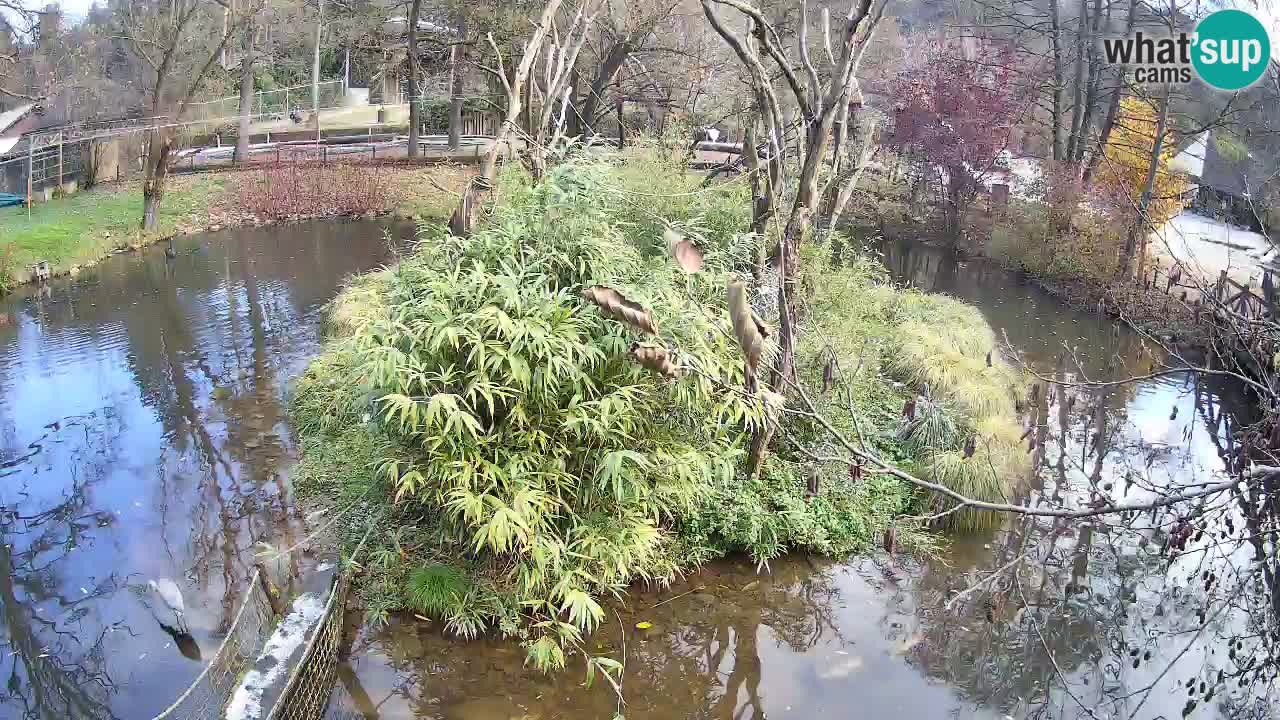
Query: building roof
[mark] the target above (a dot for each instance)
(1231, 176)
(10, 117)
(1191, 159)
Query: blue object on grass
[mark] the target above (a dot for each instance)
(9, 200)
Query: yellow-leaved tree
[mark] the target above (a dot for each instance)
(1122, 176)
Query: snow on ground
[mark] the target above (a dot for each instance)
(1207, 247)
(246, 703)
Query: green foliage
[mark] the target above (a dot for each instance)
(529, 468)
(932, 428)
(935, 345)
(81, 228)
(437, 590)
(1230, 146)
(7, 281)
(553, 462)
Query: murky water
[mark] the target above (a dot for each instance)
(1099, 617)
(143, 435)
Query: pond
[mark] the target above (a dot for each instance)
(143, 436)
(1102, 620)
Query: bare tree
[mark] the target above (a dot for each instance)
(169, 36)
(823, 100)
(552, 89)
(464, 216)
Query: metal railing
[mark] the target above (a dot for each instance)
(276, 102)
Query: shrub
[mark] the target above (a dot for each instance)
(555, 465)
(527, 467)
(939, 348)
(7, 281)
(293, 190)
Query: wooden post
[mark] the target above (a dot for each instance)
(622, 134)
(31, 156)
(59, 162)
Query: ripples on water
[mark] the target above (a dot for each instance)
(143, 435)
(883, 637)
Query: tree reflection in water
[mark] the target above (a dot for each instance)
(142, 432)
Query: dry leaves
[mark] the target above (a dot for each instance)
(655, 358)
(615, 305)
(749, 329)
(685, 252)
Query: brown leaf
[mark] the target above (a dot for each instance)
(615, 305)
(746, 326)
(655, 358)
(687, 255)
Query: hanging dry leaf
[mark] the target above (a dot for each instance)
(655, 358)
(615, 305)
(828, 375)
(686, 254)
(747, 328)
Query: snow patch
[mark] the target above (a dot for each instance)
(246, 704)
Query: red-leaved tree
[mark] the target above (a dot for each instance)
(956, 105)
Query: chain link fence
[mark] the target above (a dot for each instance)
(308, 689)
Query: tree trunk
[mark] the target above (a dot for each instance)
(241, 155)
(415, 103)
(613, 61)
(1137, 233)
(1094, 79)
(315, 69)
(864, 130)
(457, 61)
(1077, 109)
(1055, 38)
(1113, 109)
(573, 118)
(157, 172)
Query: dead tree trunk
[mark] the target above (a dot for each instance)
(463, 221)
(820, 102)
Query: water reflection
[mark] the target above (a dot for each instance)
(1108, 618)
(142, 435)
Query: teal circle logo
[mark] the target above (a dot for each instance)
(1232, 49)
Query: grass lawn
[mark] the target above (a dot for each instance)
(81, 228)
(429, 192)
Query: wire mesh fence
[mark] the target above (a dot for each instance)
(206, 698)
(308, 689)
